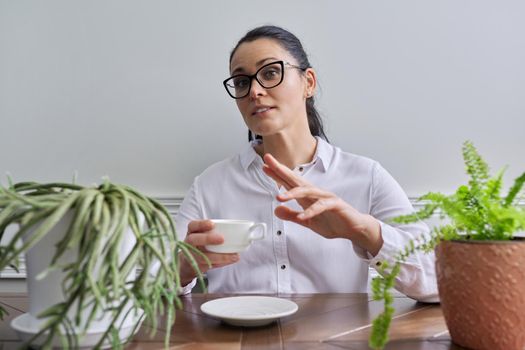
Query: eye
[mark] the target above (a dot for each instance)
(271, 73)
(240, 82)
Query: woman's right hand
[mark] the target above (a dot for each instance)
(200, 234)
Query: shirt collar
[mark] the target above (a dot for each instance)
(248, 154)
(323, 152)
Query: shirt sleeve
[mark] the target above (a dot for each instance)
(182, 290)
(187, 288)
(417, 277)
(189, 210)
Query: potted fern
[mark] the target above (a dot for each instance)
(99, 261)
(479, 261)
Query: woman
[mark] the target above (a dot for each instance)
(327, 211)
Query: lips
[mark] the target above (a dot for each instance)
(261, 109)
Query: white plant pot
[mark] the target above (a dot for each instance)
(47, 291)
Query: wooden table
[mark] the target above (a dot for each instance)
(323, 321)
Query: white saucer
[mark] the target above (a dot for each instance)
(24, 325)
(249, 311)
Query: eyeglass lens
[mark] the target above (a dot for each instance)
(268, 76)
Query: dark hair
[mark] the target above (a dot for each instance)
(291, 44)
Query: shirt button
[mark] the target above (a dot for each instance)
(283, 267)
(301, 168)
(279, 233)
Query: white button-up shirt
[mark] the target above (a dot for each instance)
(292, 258)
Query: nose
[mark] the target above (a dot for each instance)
(256, 89)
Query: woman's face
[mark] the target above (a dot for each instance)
(279, 110)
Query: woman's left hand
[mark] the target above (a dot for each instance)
(323, 211)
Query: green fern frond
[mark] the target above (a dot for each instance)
(494, 184)
(514, 190)
(477, 168)
(380, 326)
(447, 232)
(382, 285)
(467, 213)
(421, 214)
(433, 199)
(381, 290)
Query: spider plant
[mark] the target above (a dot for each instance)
(98, 280)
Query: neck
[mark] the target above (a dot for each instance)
(289, 151)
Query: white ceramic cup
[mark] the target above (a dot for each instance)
(238, 235)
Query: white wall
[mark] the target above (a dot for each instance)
(132, 89)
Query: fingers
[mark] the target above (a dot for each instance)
(219, 260)
(320, 206)
(275, 177)
(285, 213)
(200, 234)
(281, 173)
(215, 260)
(202, 239)
(200, 226)
(309, 192)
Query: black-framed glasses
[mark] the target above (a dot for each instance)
(268, 76)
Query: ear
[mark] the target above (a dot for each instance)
(311, 82)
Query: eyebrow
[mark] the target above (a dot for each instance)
(258, 63)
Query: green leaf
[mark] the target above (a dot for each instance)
(476, 166)
(514, 190)
(3, 312)
(494, 185)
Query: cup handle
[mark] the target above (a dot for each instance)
(254, 235)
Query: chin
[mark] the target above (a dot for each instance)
(266, 127)
(264, 131)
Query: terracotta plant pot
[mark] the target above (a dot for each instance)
(482, 290)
